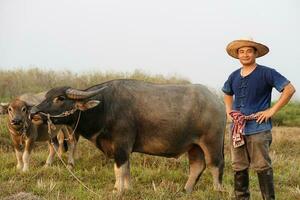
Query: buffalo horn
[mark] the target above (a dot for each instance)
(79, 94)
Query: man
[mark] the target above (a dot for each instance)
(248, 92)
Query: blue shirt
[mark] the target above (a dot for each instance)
(252, 93)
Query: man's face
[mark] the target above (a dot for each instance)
(247, 55)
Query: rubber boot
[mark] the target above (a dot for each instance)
(266, 184)
(241, 185)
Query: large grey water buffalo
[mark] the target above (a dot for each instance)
(124, 116)
(24, 132)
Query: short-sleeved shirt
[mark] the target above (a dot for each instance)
(252, 93)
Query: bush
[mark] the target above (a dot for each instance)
(289, 115)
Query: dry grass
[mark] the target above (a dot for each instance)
(152, 177)
(16, 82)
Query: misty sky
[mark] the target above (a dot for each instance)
(184, 38)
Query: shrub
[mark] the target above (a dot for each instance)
(289, 115)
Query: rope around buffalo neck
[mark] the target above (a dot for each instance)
(50, 127)
(22, 132)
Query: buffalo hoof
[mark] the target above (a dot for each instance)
(188, 190)
(118, 191)
(70, 166)
(219, 188)
(19, 166)
(47, 165)
(25, 169)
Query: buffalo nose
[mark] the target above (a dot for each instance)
(33, 111)
(16, 121)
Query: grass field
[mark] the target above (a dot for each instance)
(152, 177)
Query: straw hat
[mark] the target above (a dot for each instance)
(232, 47)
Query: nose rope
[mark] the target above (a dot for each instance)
(50, 126)
(64, 114)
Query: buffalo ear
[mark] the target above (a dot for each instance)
(83, 106)
(4, 108)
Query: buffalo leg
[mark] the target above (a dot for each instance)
(51, 154)
(61, 138)
(72, 142)
(214, 159)
(72, 139)
(217, 173)
(26, 154)
(122, 174)
(19, 158)
(197, 166)
(122, 170)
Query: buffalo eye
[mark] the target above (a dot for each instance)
(59, 99)
(9, 109)
(24, 109)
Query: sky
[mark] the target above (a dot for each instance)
(169, 37)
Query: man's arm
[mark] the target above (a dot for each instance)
(285, 97)
(228, 100)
